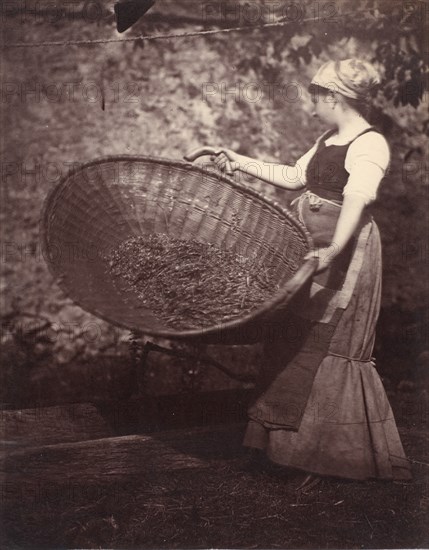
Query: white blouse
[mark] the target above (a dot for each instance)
(367, 161)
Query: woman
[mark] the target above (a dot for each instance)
(321, 406)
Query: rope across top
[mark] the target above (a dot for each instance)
(164, 36)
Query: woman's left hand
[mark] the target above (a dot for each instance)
(325, 255)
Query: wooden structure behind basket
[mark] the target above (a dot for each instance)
(106, 201)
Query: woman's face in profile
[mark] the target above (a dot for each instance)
(323, 106)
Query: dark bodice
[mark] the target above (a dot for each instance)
(326, 174)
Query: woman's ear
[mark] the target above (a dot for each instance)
(330, 97)
(335, 98)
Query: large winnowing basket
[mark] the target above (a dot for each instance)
(104, 202)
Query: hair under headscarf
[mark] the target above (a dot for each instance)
(352, 78)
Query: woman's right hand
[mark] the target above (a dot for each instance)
(223, 156)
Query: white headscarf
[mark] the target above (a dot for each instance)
(352, 78)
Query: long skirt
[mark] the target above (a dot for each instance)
(321, 405)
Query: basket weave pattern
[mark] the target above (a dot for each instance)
(105, 202)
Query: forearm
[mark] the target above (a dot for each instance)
(281, 175)
(348, 221)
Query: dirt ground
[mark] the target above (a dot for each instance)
(231, 500)
(65, 105)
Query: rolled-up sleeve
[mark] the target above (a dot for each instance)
(367, 161)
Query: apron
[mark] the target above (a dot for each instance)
(292, 356)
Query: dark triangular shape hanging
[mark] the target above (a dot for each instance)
(130, 11)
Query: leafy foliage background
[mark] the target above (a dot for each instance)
(243, 90)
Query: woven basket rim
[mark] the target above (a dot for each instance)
(305, 271)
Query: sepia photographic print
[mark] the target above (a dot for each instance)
(214, 274)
